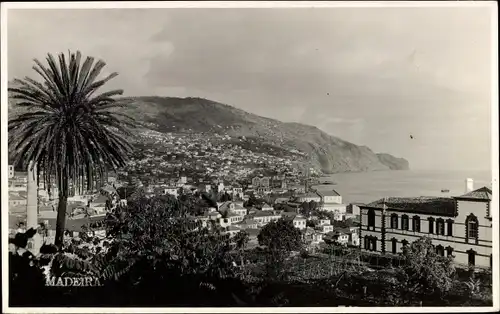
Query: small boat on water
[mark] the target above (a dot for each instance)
(328, 183)
(445, 191)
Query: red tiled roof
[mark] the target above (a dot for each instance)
(483, 193)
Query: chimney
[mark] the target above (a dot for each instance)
(469, 185)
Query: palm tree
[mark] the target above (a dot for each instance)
(69, 134)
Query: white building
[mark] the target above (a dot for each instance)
(330, 197)
(459, 226)
(299, 222)
(174, 191)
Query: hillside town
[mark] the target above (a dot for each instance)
(251, 203)
(249, 157)
(279, 196)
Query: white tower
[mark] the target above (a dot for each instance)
(469, 185)
(32, 209)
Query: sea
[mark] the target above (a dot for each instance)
(366, 187)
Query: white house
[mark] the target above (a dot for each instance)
(170, 190)
(330, 197)
(267, 207)
(299, 222)
(233, 207)
(308, 197)
(325, 228)
(265, 217)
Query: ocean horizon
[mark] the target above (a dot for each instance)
(366, 187)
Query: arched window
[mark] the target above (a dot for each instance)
(449, 227)
(440, 250)
(404, 222)
(472, 257)
(416, 223)
(439, 226)
(394, 221)
(449, 251)
(431, 225)
(371, 218)
(471, 228)
(394, 245)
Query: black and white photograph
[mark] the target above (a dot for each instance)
(249, 156)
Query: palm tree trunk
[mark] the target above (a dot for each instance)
(61, 211)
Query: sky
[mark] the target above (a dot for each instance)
(371, 76)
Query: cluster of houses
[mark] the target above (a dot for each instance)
(199, 157)
(233, 218)
(460, 226)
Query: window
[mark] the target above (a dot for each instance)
(371, 219)
(439, 226)
(404, 242)
(416, 223)
(472, 228)
(440, 250)
(449, 251)
(370, 243)
(394, 221)
(404, 222)
(472, 257)
(431, 225)
(374, 244)
(394, 245)
(450, 227)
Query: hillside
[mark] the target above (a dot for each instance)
(394, 163)
(326, 152)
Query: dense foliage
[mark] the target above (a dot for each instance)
(155, 254)
(427, 273)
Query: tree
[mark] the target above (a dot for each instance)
(280, 238)
(155, 246)
(69, 133)
(307, 208)
(427, 273)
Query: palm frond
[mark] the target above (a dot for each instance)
(71, 135)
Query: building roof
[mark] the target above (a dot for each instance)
(298, 217)
(328, 193)
(16, 197)
(309, 195)
(483, 193)
(225, 206)
(253, 232)
(247, 221)
(442, 206)
(266, 213)
(233, 228)
(288, 214)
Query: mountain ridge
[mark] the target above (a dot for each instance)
(325, 152)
